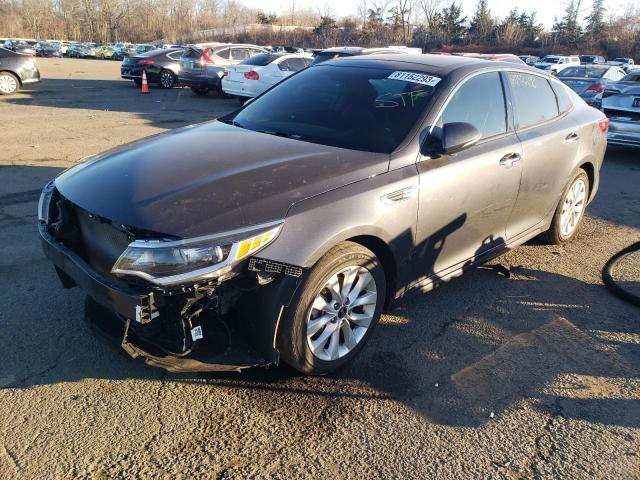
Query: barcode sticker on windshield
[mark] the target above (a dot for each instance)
(415, 78)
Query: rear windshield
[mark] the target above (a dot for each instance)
(584, 72)
(550, 59)
(260, 60)
(587, 58)
(632, 77)
(366, 109)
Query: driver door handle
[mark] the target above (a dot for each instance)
(509, 159)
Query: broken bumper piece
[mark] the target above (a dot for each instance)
(214, 327)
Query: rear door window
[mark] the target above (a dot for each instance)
(224, 53)
(480, 102)
(534, 99)
(239, 54)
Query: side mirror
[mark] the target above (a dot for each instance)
(451, 138)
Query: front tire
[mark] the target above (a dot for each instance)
(334, 311)
(9, 83)
(570, 210)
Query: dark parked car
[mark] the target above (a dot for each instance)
(320, 56)
(16, 69)
(589, 81)
(592, 59)
(162, 67)
(47, 50)
(20, 46)
(202, 66)
(282, 230)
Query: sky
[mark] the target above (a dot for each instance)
(546, 9)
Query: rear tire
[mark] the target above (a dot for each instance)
(9, 83)
(199, 91)
(570, 210)
(167, 79)
(325, 327)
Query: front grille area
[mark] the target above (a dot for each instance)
(97, 241)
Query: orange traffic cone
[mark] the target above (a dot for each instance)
(145, 85)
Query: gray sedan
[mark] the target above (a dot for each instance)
(282, 231)
(589, 81)
(621, 103)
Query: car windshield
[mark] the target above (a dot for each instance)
(366, 109)
(551, 59)
(584, 72)
(621, 60)
(587, 58)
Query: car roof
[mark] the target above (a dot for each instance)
(428, 63)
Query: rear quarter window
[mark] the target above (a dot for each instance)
(533, 97)
(564, 101)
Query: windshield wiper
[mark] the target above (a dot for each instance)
(232, 122)
(280, 133)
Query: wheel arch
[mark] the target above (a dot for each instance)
(384, 253)
(15, 74)
(590, 169)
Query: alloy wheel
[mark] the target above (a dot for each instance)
(573, 207)
(8, 84)
(166, 80)
(341, 313)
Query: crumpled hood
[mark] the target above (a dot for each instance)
(210, 178)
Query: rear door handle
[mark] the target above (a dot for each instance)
(509, 159)
(572, 137)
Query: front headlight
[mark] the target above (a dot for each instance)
(174, 262)
(45, 202)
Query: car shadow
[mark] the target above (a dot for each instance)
(474, 346)
(618, 199)
(163, 108)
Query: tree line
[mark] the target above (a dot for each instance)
(429, 24)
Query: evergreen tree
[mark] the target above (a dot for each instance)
(452, 23)
(595, 21)
(482, 24)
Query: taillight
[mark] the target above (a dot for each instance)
(603, 125)
(252, 75)
(144, 63)
(204, 58)
(596, 88)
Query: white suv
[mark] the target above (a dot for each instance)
(556, 63)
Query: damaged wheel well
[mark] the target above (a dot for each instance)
(383, 252)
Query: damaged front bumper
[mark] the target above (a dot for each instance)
(201, 327)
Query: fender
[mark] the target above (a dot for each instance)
(361, 208)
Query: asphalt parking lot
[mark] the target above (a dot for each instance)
(532, 376)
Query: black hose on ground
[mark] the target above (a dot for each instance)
(611, 284)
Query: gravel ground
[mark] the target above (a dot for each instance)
(532, 376)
